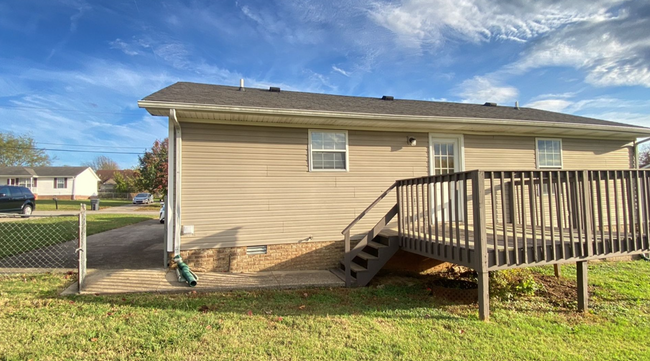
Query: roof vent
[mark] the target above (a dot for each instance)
(241, 85)
(517, 105)
(387, 97)
(488, 104)
(274, 89)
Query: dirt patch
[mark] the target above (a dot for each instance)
(560, 292)
(459, 285)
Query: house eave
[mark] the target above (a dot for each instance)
(312, 118)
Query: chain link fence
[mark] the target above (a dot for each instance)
(39, 243)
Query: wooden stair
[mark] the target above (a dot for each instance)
(371, 259)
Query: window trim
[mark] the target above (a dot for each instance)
(460, 138)
(310, 150)
(56, 183)
(537, 154)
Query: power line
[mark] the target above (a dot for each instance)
(58, 109)
(70, 150)
(89, 145)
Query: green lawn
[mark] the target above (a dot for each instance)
(38, 232)
(399, 321)
(69, 205)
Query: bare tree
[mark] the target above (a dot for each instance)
(102, 163)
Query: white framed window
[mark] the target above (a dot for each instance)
(328, 150)
(446, 153)
(60, 183)
(549, 153)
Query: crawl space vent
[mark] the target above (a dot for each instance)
(255, 250)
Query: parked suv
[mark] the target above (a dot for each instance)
(15, 199)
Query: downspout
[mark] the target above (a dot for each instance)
(174, 186)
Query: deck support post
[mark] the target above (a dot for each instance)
(480, 244)
(484, 296)
(583, 289)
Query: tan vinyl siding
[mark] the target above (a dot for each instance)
(596, 154)
(499, 152)
(251, 185)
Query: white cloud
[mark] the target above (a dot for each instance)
(612, 51)
(481, 89)
(432, 22)
(127, 49)
(554, 105)
(341, 71)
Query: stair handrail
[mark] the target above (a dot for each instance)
(346, 233)
(370, 207)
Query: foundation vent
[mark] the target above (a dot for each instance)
(251, 250)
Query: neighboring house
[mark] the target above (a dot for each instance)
(53, 182)
(107, 178)
(268, 179)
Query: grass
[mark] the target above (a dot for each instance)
(38, 232)
(70, 205)
(398, 321)
(149, 207)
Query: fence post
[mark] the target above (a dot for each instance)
(81, 250)
(480, 244)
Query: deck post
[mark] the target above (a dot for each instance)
(583, 291)
(480, 245)
(347, 261)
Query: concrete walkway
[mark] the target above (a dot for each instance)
(162, 280)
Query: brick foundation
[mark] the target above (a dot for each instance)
(281, 257)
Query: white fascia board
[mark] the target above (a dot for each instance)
(297, 113)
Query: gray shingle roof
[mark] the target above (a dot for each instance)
(42, 171)
(207, 94)
(17, 171)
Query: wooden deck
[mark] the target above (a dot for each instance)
(523, 248)
(493, 220)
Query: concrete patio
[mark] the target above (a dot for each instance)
(162, 280)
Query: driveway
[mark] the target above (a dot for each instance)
(137, 246)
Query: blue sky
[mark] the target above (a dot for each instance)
(71, 72)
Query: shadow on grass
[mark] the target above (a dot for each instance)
(388, 302)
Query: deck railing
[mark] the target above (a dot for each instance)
(502, 219)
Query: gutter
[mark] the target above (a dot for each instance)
(388, 117)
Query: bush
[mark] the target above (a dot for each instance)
(510, 283)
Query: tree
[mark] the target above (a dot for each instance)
(124, 183)
(644, 156)
(151, 174)
(21, 151)
(102, 163)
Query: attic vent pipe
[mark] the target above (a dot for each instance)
(387, 97)
(241, 85)
(517, 105)
(488, 104)
(274, 89)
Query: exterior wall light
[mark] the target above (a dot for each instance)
(412, 141)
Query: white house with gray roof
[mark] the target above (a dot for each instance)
(53, 182)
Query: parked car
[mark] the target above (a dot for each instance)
(16, 199)
(143, 198)
(162, 213)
